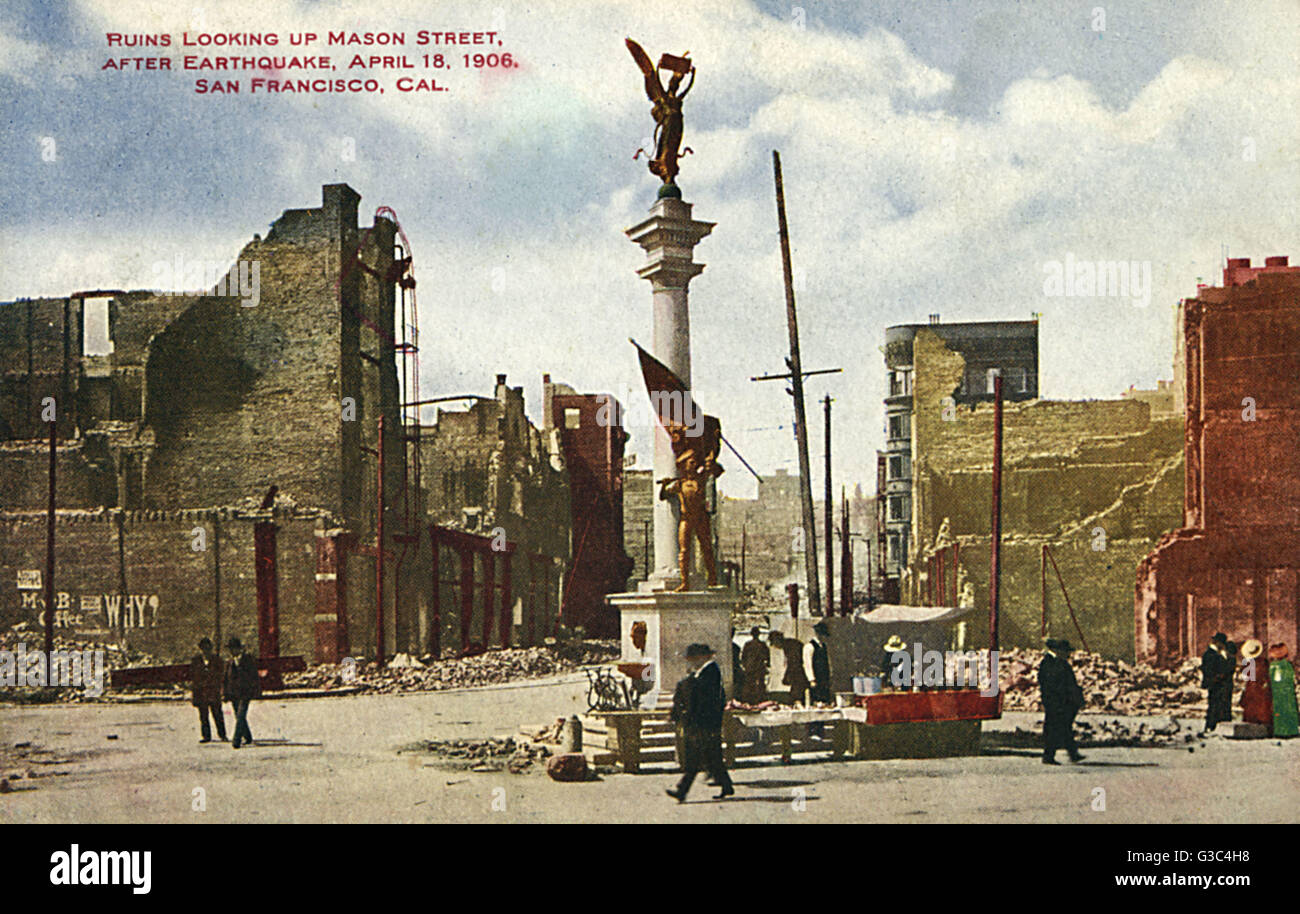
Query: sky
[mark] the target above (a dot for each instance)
(938, 157)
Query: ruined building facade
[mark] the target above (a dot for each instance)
(590, 431)
(169, 441)
(1094, 482)
(1232, 565)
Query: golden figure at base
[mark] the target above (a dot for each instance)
(697, 463)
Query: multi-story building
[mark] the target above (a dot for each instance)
(988, 348)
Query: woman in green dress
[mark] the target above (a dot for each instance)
(1281, 676)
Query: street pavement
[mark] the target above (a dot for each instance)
(337, 760)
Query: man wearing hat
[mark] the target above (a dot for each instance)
(206, 681)
(894, 645)
(755, 658)
(697, 709)
(1062, 699)
(1217, 669)
(242, 686)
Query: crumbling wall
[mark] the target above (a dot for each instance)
(1097, 482)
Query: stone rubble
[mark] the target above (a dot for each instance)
(1113, 686)
(490, 668)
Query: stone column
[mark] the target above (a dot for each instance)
(669, 237)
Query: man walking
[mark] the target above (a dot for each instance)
(206, 683)
(1062, 699)
(754, 661)
(697, 708)
(1217, 669)
(242, 686)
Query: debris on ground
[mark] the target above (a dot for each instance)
(1112, 733)
(488, 668)
(1114, 686)
(491, 754)
(569, 767)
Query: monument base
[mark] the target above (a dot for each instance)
(665, 622)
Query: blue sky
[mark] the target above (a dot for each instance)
(937, 157)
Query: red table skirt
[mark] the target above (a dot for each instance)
(946, 704)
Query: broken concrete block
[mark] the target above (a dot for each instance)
(570, 767)
(1244, 730)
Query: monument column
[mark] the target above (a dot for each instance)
(669, 237)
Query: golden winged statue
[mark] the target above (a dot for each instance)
(667, 107)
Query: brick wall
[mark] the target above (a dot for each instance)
(134, 578)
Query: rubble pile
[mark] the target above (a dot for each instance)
(32, 637)
(1106, 732)
(407, 674)
(491, 754)
(1113, 686)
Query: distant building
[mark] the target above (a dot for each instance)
(986, 348)
(1162, 400)
(638, 523)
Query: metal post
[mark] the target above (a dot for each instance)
(379, 552)
(830, 546)
(49, 548)
(1042, 592)
(796, 391)
(744, 546)
(995, 560)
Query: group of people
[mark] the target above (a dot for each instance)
(236, 681)
(1268, 696)
(807, 667)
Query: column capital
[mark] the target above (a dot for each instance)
(669, 237)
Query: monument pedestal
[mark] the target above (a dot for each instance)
(672, 621)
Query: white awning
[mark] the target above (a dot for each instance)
(894, 614)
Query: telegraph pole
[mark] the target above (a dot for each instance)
(829, 509)
(796, 391)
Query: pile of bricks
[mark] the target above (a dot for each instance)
(1112, 686)
(427, 674)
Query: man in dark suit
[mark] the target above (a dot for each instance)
(697, 708)
(206, 683)
(1062, 699)
(1218, 664)
(242, 686)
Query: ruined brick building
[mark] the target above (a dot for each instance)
(590, 430)
(1232, 565)
(177, 414)
(1095, 482)
(168, 442)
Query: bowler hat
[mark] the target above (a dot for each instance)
(697, 650)
(234, 643)
(1220, 638)
(822, 628)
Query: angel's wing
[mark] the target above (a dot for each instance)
(654, 89)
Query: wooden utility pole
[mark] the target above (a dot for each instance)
(796, 391)
(995, 562)
(846, 558)
(829, 510)
(49, 549)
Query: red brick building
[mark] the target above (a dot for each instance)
(591, 433)
(1233, 565)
